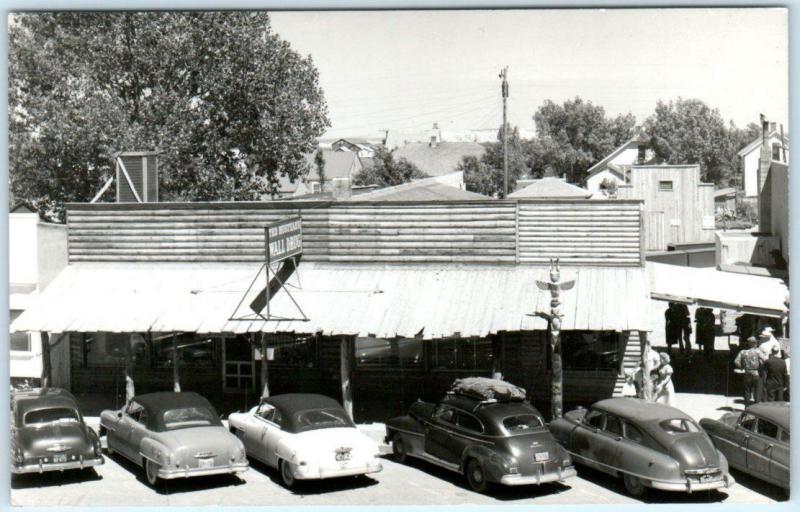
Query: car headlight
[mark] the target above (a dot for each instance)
(19, 456)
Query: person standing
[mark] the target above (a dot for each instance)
(749, 361)
(704, 319)
(684, 321)
(776, 377)
(767, 342)
(664, 388)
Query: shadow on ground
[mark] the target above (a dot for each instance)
(312, 487)
(761, 487)
(54, 478)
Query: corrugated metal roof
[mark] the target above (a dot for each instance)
(385, 301)
(715, 288)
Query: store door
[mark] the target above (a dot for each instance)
(238, 370)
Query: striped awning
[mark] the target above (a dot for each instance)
(360, 300)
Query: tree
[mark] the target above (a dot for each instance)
(687, 131)
(319, 162)
(385, 171)
(484, 175)
(572, 137)
(230, 106)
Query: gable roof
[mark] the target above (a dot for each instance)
(550, 188)
(724, 192)
(443, 158)
(427, 189)
(338, 164)
(757, 142)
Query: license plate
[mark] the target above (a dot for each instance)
(343, 456)
(206, 463)
(541, 456)
(59, 458)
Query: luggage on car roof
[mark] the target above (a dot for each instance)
(483, 388)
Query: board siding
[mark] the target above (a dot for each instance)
(496, 232)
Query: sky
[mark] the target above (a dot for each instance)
(405, 70)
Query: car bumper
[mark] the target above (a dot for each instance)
(42, 467)
(539, 478)
(692, 486)
(171, 474)
(312, 473)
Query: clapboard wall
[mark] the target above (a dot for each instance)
(578, 232)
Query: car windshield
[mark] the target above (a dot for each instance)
(190, 417)
(679, 426)
(54, 415)
(522, 423)
(322, 418)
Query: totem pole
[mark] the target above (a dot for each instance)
(554, 318)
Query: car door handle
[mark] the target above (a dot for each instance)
(263, 432)
(769, 447)
(617, 438)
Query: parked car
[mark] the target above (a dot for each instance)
(48, 433)
(755, 441)
(173, 435)
(305, 436)
(648, 444)
(487, 440)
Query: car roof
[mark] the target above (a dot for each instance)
(290, 403)
(162, 401)
(489, 409)
(40, 398)
(776, 412)
(638, 409)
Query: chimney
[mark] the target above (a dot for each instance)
(137, 177)
(773, 126)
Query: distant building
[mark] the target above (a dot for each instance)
(449, 187)
(725, 199)
(750, 155)
(615, 166)
(438, 158)
(549, 188)
(340, 168)
(364, 148)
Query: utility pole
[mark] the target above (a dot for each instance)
(504, 90)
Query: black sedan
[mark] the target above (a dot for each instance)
(492, 440)
(755, 441)
(48, 433)
(647, 444)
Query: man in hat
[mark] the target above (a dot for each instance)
(750, 361)
(767, 342)
(776, 377)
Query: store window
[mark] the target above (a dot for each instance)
(20, 341)
(111, 348)
(193, 349)
(395, 352)
(591, 350)
(461, 354)
(294, 351)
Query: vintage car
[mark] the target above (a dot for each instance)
(305, 436)
(648, 444)
(488, 440)
(755, 441)
(48, 433)
(173, 435)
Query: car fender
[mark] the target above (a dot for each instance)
(154, 450)
(562, 430)
(406, 424)
(488, 457)
(108, 420)
(287, 448)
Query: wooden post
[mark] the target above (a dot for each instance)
(176, 378)
(347, 391)
(647, 383)
(47, 367)
(557, 378)
(264, 375)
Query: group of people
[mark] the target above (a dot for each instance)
(659, 377)
(679, 329)
(765, 369)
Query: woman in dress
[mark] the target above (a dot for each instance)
(664, 390)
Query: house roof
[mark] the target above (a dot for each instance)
(427, 189)
(338, 164)
(549, 188)
(443, 158)
(757, 142)
(635, 141)
(725, 192)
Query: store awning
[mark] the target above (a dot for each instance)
(715, 288)
(360, 300)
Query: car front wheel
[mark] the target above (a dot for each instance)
(476, 476)
(151, 469)
(634, 485)
(287, 475)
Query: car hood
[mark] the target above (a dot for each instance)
(330, 439)
(61, 436)
(694, 451)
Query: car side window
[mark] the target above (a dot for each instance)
(134, 410)
(445, 413)
(748, 422)
(468, 422)
(266, 412)
(784, 436)
(767, 428)
(142, 417)
(595, 419)
(613, 425)
(277, 418)
(632, 433)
